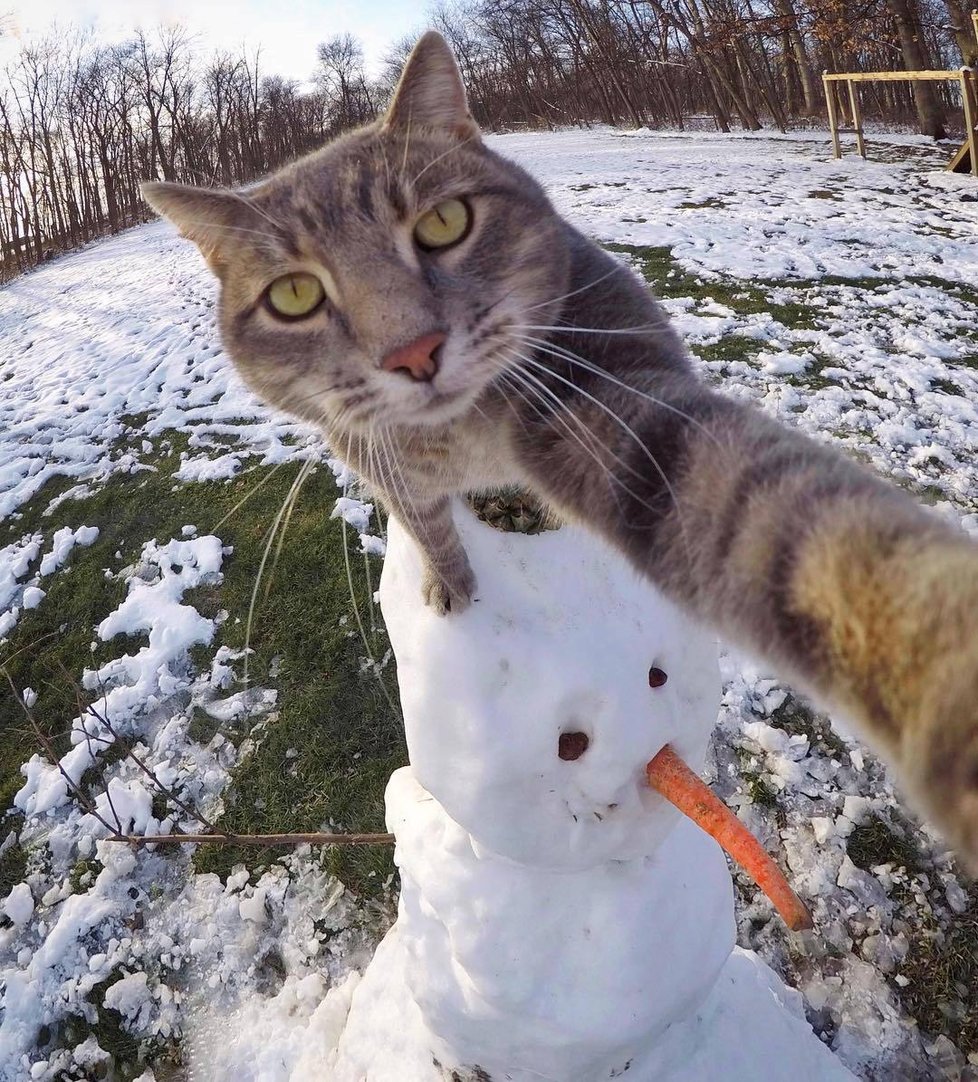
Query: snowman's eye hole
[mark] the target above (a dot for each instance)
(571, 746)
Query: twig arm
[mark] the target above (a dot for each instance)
(260, 840)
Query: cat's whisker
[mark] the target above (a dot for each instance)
(382, 146)
(220, 227)
(553, 408)
(407, 146)
(258, 210)
(603, 407)
(625, 427)
(555, 350)
(480, 411)
(259, 485)
(370, 594)
(366, 439)
(349, 570)
(398, 492)
(371, 656)
(558, 407)
(580, 289)
(269, 541)
(561, 412)
(325, 389)
(376, 466)
(304, 474)
(631, 492)
(497, 362)
(572, 328)
(400, 489)
(444, 154)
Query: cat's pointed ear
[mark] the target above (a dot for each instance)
(207, 216)
(430, 92)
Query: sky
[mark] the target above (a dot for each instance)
(287, 31)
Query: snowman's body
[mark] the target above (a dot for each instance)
(557, 919)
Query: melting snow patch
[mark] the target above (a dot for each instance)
(17, 596)
(205, 468)
(354, 512)
(783, 364)
(133, 683)
(63, 542)
(18, 906)
(132, 998)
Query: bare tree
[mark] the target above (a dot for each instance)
(82, 123)
(341, 78)
(929, 109)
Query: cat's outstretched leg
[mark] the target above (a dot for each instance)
(794, 551)
(448, 583)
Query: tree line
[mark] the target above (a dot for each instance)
(82, 122)
(743, 63)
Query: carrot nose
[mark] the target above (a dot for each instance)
(418, 359)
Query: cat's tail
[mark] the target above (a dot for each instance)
(795, 551)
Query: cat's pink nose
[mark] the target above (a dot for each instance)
(418, 359)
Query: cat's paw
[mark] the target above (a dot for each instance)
(445, 595)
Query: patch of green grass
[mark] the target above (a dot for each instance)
(668, 280)
(83, 874)
(797, 718)
(759, 791)
(659, 269)
(472, 1074)
(730, 347)
(756, 786)
(93, 780)
(812, 379)
(796, 315)
(326, 758)
(932, 230)
(344, 732)
(875, 841)
(129, 1055)
(586, 187)
(664, 273)
(712, 201)
(942, 970)
(947, 387)
(13, 866)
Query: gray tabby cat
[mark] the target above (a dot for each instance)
(416, 296)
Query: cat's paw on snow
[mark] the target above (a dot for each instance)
(449, 594)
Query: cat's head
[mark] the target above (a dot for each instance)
(381, 279)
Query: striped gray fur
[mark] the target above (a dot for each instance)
(561, 373)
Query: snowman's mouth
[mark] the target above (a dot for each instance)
(670, 777)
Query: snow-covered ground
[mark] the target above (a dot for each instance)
(839, 294)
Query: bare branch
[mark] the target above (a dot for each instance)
(167, 791)
(54, 760)
(263, 840)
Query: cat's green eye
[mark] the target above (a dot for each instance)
(446, 224)
(295, 295)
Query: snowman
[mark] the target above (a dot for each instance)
(558, 919)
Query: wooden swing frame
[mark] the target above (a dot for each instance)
(964, 77)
